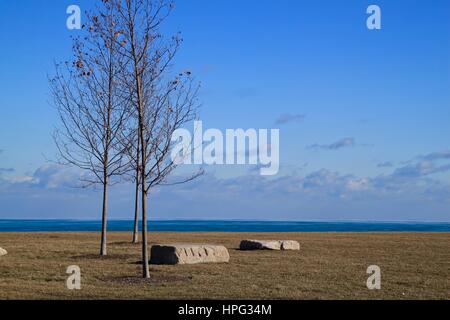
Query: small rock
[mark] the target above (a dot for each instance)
(188, 254)
(260, 245)
(269, 245)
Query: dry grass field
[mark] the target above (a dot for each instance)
(329, 266)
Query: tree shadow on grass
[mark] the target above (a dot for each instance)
(125, 244)
(104, 258)
(155, 279)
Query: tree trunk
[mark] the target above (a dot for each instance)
(136, 199)
(103, 251)
(141, 138)
(136, 210)
(107, 125)
(144, 191)
(145, 258)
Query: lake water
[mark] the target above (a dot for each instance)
(222, 226)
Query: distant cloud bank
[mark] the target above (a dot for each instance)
(413, 191)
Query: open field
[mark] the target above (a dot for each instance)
(329, 266)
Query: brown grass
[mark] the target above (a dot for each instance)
(329, 266)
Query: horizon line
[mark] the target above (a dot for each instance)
(234, 220)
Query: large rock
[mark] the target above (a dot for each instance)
(269, 245)
(3, 252)
(188, 254)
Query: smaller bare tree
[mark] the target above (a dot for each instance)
(163, 102)
(93, 106)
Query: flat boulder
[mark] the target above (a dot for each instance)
(269, 245)
(188, 254)
(3, 252)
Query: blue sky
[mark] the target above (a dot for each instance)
(363, 114)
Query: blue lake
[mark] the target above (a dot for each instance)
(222, 226)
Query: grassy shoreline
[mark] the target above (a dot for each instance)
(329, 266)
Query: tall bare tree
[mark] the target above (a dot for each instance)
(92, 104)
(164, 102)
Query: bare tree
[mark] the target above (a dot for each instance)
(164, 102)
(93, 105)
